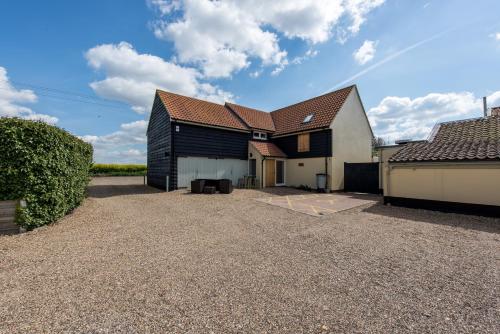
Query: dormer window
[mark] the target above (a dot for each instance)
(308, 118)
(259, 135)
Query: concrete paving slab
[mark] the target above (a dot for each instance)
(320, 204)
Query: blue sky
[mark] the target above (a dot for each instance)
(91, 67)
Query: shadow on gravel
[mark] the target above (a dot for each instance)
(470, 222)
(103, 191)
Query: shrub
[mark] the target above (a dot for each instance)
(46, 166)
(117, 170)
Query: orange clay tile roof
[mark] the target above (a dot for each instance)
(267, 149)
(189, 109)
(254, 118)
(474, 139)
(286, 120)
(324, 108)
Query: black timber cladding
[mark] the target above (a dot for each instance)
(320, 145)
(159, 146)
(202, 141)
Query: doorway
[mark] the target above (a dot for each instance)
(275, 172)
(270, 172)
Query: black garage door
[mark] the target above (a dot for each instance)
(361, 177)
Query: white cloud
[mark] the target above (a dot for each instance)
(164, 7)
(497, 36)
(494, 99)
(358, 9)
(124, 145)
(255, 74)
(12, 100)
(295, 61)
(366, 52)
(222, 37)
(309, 54)
(402, 117)
(133, 78)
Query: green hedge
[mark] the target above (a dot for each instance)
(118, 169)
(46, 166)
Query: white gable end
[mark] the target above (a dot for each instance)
(351, 137)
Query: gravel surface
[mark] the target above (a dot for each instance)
(135, 260)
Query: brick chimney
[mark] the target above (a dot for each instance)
(495, 111)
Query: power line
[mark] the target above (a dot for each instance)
(60, 91)
(86, 100)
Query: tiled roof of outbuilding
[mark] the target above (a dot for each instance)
(475, 139)
(254, 118)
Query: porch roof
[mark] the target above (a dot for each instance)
(267, 149)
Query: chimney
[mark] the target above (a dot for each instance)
(485, 107)
(495, 111)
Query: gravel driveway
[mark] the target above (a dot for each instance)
(135, 260)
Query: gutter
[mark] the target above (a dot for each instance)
(455, 163)
(210, 126)
(299, 132)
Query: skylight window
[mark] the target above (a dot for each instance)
(308, 118)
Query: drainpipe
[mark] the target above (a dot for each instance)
(387, 188)
(262, 173)
(326, 173)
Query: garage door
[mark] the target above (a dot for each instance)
(190, 168)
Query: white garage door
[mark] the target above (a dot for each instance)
(190, 168)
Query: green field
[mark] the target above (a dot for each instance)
(118, 170)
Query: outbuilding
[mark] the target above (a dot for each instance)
(456, 169)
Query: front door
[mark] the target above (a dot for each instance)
(270, 173)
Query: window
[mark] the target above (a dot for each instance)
(308, 118)
(280, 172)
(253, 167)
(303, 142)
(259, 135)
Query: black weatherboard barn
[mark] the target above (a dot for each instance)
(172, 135)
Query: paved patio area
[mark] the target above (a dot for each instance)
(320, 204)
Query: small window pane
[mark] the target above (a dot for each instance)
(280, 172)
(308, 118)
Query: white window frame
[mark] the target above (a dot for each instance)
(259, 135)
(276, 173)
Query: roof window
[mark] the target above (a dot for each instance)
(308, 118)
